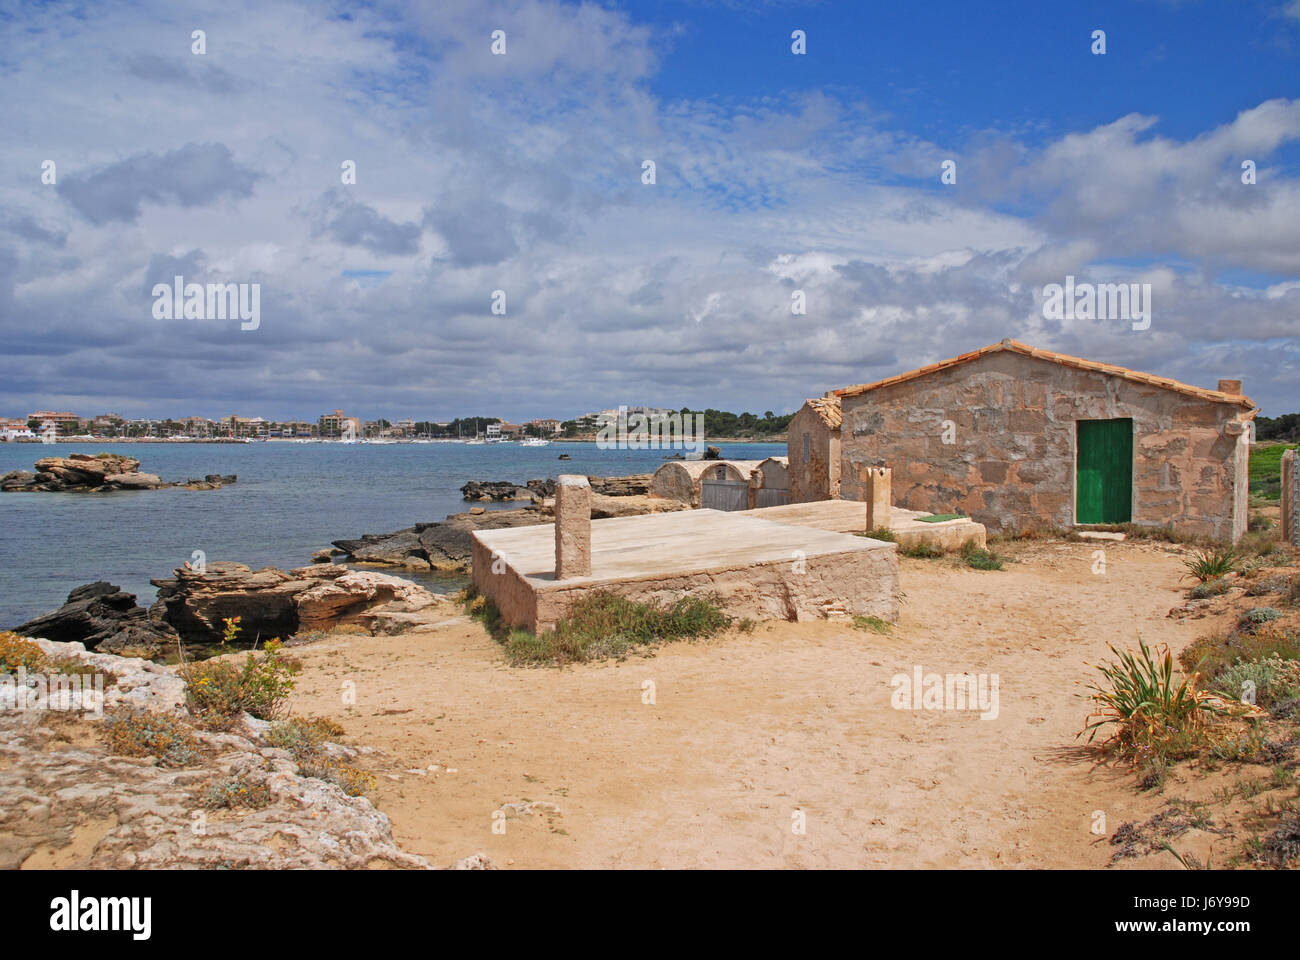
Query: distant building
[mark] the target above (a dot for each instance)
(65, 423)
(545, 425)
(514, 430)
(336, 424)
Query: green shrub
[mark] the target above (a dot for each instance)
(1210, 588)
(304, 738)
(1152, 713)
(1211, 655)
(603, 624)
(1273, 680)
(149, 734)
(1211, 562)
(875, 624)
(1257, 615)
(882, 533)
(922, 551)
(235, 792)
(977, 558)
(218, 691)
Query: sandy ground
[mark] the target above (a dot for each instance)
(751, 732)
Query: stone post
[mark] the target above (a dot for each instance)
(1290, 499)
(876, 492)
(572, 527)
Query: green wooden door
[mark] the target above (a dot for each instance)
(1104, 485)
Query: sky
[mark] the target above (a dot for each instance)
(518, 179)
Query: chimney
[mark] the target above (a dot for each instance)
(572, 527)
(1230, 386)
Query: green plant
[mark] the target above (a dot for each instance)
(1150, 710)
(603, 624)
(150, 734)
(977, 558)
(1211, 562)
(305, 738)
(233, 792)
(881, 533)
(229, 634)
(1257, 615)
(1210, 588)
(218, 691)
(874, 624)
(922, 551)
(1211, 655)
(1272, 680)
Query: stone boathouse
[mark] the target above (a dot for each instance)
(1018, 438)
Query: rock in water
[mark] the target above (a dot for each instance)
(106, 619)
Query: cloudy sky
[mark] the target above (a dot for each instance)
(523, 172)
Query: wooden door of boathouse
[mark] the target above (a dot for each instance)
(1104, 471)
(719, 492)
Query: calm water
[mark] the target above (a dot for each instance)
(291, 499)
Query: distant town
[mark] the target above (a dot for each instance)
(338, 425)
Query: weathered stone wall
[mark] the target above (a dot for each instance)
(1011, 462)
(817, 476)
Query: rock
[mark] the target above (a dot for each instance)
(101, 473)
(365, 598)
(564, 456)
(136, 481)
(444, 545)
(712, 453)
(105, 618)
(323, 555)
(495, 490)
(637, 484)
(476, 861)
(196, 604)
(475, 511)
(17, 480)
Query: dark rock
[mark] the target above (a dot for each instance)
(495, 490)
(712, 453)
(105, 618)
(196, 605)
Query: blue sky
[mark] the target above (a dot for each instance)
(522, 173)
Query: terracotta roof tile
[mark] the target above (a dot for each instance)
(1015, 346)
(828, 409)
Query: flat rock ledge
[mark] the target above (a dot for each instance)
(65, 802)
(100, 473)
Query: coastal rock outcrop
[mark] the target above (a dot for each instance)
(501, 491)
(442, 545)
(106, 619)
(67, 801)
(277, 603)
(100, 473)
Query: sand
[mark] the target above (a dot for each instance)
(751, 733)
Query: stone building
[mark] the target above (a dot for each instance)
(1019, 438)
(814, 451)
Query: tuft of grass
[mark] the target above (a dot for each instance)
(1211, 562)
(1149, 711)
(149, 734)
(882, 533)
(875, 624)
(922, 551)
(977, 558)
(604, 624)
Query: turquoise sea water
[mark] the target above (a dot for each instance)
(290, 500)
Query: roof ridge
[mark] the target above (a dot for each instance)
(1039, 353)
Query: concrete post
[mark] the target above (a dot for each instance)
(572, 527)
(876, 482)
(1290, 499)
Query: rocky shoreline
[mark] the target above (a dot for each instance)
(100, 473)
(68, 801)
(192, 605)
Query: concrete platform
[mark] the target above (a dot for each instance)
(759, 568)
(850, 516)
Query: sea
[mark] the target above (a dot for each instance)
(290, 500)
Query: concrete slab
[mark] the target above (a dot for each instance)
(759, 568)
(850, 516)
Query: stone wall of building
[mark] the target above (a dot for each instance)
(1010, 463)
(816, 475)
